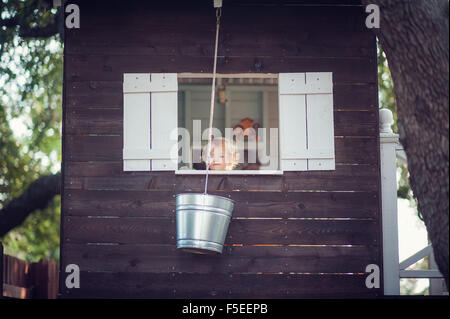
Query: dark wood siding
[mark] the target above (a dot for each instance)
(303, 234)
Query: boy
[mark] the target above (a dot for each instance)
(224, 156)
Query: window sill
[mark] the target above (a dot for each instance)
(237, 172)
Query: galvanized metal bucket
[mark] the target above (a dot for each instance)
(202, 222)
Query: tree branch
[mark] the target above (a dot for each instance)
(9, 23)
(36, 196)
(39, 32)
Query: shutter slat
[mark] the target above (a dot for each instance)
(136, 123)
(320, 131)
(293, 132)
(305, 83)
(155, 82)
(319, 83)
(164, 121)
(292, 83)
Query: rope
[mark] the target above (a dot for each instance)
(213, 97)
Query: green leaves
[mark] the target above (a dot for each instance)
(30, 121)
(386, 86)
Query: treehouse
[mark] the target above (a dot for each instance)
(296, 80)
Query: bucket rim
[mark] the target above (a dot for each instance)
(212, 195)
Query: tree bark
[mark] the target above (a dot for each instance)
(414, 35)
(36, 196)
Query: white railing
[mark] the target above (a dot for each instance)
(393, 270)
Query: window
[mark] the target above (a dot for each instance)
(246, 108)
(275, 122)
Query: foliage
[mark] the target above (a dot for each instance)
(386, 86)
(30, 122)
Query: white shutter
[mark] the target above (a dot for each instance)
(306, 121)
(150, 115)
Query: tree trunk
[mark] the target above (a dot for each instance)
(414, 35)
(36, 196)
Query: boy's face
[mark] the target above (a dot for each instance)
(220, 160)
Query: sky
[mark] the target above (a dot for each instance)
(412, 232)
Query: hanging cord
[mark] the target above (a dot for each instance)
(213, 98)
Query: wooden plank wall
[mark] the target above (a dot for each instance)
(303, 234)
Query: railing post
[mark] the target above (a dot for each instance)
(388, 142)
(437, 285)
